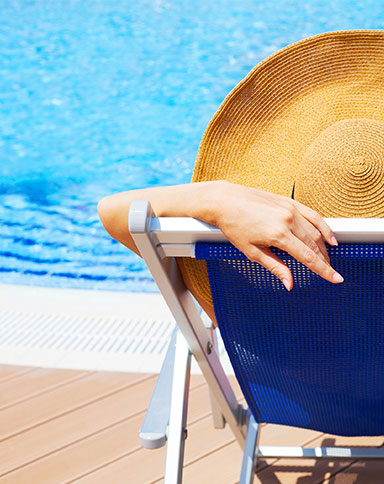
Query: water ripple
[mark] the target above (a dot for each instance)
(102, 97)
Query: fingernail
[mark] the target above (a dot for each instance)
(286, 284)
(334, 241)
(337, 277)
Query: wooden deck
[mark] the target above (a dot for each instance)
(64, 426)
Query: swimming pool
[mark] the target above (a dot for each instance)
(100, 96)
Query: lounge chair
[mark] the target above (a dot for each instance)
(311, 358)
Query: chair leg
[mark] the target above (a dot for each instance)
(250, 452)
(177, 431)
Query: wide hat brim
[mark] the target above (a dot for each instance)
(262, 130)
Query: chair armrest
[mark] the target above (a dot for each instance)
(153, 433)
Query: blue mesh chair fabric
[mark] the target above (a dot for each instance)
(312, 357)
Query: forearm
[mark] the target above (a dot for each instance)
(253, 220)
(191, 200)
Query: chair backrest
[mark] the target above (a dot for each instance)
(312, 357)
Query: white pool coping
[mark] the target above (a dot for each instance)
(85, 329)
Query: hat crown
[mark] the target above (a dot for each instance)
(264, 127)
(358, 166)
(342, 170)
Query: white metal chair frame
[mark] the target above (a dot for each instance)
(160, 241)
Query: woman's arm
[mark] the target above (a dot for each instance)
(192, 200)
(252, 219)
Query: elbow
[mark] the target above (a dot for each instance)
(107, 215)
(102, 209)
(113, 213)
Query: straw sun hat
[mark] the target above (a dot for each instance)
(309, 117)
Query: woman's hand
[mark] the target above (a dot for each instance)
(253, 220)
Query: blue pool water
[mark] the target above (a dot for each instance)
(102, 96)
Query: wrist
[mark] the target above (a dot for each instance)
(208, 199)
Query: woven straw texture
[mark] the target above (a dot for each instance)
(303, 101)
(342, 171)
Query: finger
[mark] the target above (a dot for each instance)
(272, 263)
(308, 257)
(318, 222)
(312, 237)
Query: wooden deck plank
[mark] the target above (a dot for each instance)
(220, 467)
(311, 471)
(7, 372)
(66, 398)
(203, 440)
(27, 385)
(361, 472)
(74, 461)
(65, 429)
(271, 435)
(92, 437)
(111, 444)
(61, 431)
(308, 471)
(282, 471)
(223, 467)
(134, 467)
